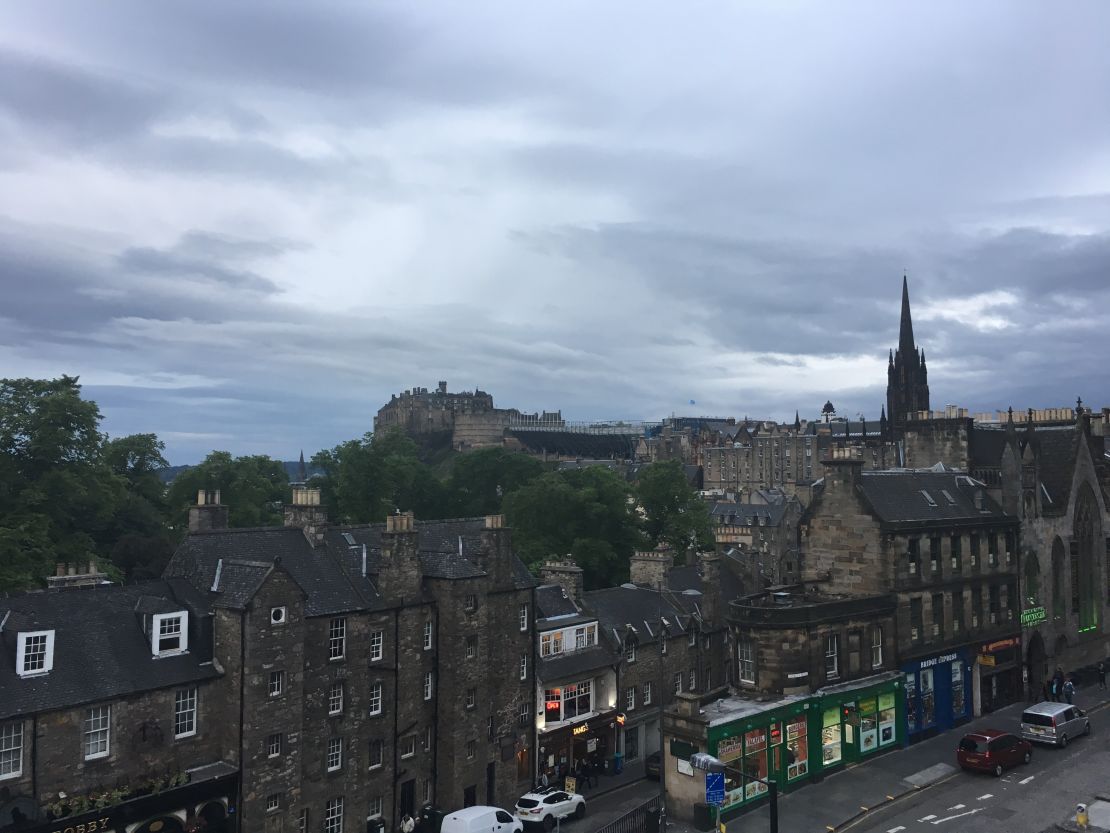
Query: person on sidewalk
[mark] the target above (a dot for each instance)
(581, 775)
(1069, 690)
(1102, 676)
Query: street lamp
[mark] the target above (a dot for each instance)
(705, 761)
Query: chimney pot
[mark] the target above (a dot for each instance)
(60, 569)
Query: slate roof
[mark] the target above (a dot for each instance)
(640, 607)
(684, 578)
(914, 496)
(1055, 449)
(575, 663)
(747, 514)
(100, 649)
(552, 601)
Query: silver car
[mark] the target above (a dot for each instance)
(1054, 723)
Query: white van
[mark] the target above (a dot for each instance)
(481, 820)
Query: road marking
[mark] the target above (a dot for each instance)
(958, 807)
(958, 816)
(985, 797)
(928, 818)
(1027, 780)
(896, 829)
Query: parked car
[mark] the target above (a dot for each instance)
(546, 805)
(991, 750)
(1054, 723)
(652, 765)
(480, 820)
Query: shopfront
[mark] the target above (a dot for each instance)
(857, 719)
(998, 671)
(772, 744)
(938, 692)
(591, 740)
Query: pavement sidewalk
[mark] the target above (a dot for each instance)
(841, 798)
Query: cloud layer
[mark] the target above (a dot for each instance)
(246, 226)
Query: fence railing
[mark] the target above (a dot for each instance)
(635, 821)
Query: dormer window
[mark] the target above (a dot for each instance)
(169, 633)
(35, 653)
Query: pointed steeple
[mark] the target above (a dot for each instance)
(302, 475)
(797, 422)
(905, 330)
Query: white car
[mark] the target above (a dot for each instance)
(545, 806)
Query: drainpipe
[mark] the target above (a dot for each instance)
(396, 706)
(242, 692)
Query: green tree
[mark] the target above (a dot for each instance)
(587, 513)
(479, 480)
(57, 495)
(252, 487)
(139, 539)
(366, 479)
(674, 514)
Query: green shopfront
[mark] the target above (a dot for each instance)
(794, 740)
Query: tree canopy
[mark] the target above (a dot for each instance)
(674, 514)
(252, 487)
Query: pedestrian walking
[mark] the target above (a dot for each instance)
(407, 824)
(581, 776)
(1102, 676)
(1052, 690)
(1069, 690)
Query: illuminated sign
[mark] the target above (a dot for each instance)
(991, 647)
(1032, 616)
(620, 719)
(581, 729)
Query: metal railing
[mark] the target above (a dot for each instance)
(634, 821)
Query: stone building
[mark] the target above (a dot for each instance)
(359, 656)
(761, 536)
(937, 540)
(763, 456)
(112, 715)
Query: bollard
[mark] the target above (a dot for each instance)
(1081, 816)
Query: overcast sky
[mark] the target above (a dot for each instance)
(246, 225)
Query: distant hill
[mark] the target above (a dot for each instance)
(292, 469)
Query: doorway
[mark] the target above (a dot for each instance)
(470, 796)
(491, 781)
(408, 798)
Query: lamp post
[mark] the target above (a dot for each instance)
(708, 763)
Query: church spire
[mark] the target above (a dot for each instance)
(905, 331)
(302, 475)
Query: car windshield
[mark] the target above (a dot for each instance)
(527, 802)
(973, 745)
(1037, 719)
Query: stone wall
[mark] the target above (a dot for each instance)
(932, 441)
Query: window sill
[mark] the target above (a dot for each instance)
(186, 736)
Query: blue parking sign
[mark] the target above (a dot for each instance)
(714, 788)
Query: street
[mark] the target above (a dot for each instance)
(1025, 799)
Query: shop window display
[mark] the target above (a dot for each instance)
(755, 762)
(797, 749)
(928, 701)
(730, 750)
(830, 737)
(887, 716)
(911, 702)
(868, 725)
(958, 702)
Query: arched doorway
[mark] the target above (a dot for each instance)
(1037, 663)
(213, 817)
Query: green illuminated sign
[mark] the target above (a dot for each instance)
(1032, 616)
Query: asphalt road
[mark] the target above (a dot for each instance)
(1026, 799)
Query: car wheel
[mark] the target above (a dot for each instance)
(1063, 741)
(580, 811)
(548, 822)
(997, 770)
(1028, 757)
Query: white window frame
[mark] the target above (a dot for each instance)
(647, 693)
(471, 647)
(273, 802)
(693, 640)
(275, 743)
(334, 760)
(470, 602)
(630, 698)
(427, 739)
(523, 616)
(377, 642)
(677, 682)
(333, 815)
(160, 622)
(663, 643)
(375, 699)
(376, 745)
(276, 684)
(832, 656)
(471, 749)
(693, 682)
(429, 685)
(523, 714)
(185, 712)
(23, 656)
(302, 821)
(335, 698)
(745, 658)
(11, 749)
(427, 636)
(551, 643)
(877, 646)
(471, 697)
(408, 746)
(524, 666)
(426, 790)
(337, 638)
(374, 808)
(630, 652)
(97, 728)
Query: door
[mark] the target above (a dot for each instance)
(490, 782)
(470, 796)
(408, 798)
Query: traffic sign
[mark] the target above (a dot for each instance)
(714, 788)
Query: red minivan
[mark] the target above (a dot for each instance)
(990, 750)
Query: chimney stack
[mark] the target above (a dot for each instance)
(399, 574)
(306, 513)
(566, 574)
(209, 514)
(651, 567)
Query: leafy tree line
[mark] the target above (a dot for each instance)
(68, 492)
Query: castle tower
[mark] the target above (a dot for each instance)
(907, 387)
